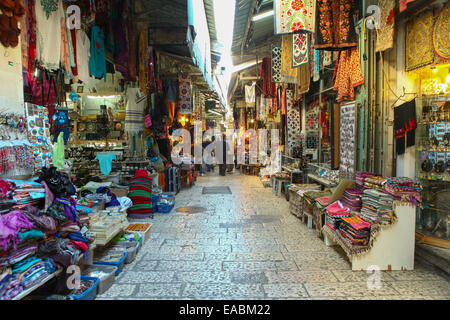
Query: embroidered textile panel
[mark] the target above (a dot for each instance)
(294, 15)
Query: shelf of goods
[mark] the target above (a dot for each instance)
(107, 228)
(25, 293)
(390, 247)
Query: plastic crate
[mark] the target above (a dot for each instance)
(119, 263)
(90, 293)
(106, 281)
(162, 208)
(131, 252)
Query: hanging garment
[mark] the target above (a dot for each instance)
(134, 118)
(185, 99)
(65, 55)
(335, 29)
(300, 49)
(97, 61)
(304, 79)
(143, 61)
(348, 74)
(288, 74)
(405, 125)
(58, 152)
(121, 38)
(73, 36)
(83, 54)
(316, 74)
(49, 18)
(293, 121)
(327, 58)
(385, 34)
(294, 15)
(105, 161)
(250, 94)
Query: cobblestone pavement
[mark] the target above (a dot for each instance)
(248, 246)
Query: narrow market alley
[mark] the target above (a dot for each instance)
(246, 245)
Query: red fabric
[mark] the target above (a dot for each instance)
(404, 4)
(31, 30)
(80, 245)
(141, 174)
(74, 44)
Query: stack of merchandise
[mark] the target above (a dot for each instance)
(27, 193)
(352, 199)
(375, 182)
(311, 196)
(361, 178)
(404, 189)
(141, 195)
(335, 212)
(302, 188)
(377, 207)
(354, 231)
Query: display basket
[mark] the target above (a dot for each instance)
(119, 263)
(105, 282)
(90, 293)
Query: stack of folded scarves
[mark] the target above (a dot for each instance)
(361, 178)
(311, 196)
(352, 199)
(354, 231)
(15, 256)
(335, 212)
(404, 189)
(377, 207)
(302, 188)
(375, 182)
(10, 287)
(141, 196)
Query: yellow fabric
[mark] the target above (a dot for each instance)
(288, 74)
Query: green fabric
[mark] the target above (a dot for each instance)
(58, 153)
(139, 193)
(32, 234)
(141, 206)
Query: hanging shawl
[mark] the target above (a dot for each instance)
(300, 49)
(49, 6)
(276, 64)
(294, 15)
(143, 61)
(250, 94)
(134, 118)
(288, 74)
(185, 99)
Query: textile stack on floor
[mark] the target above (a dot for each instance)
(377, 207)
(335, 212)
(404, 189)
(141, 195)
(352, 199)
(375, 182)
(361, 178)
(354, 231)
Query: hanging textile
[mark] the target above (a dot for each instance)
(49, 17)
(405, 125)
(262, 109)
(185, 99)
(441, 33)
(404, 4)
(132, 65)
(385, 35)
(97, 60)
(83, 56)
(151, 71)
(300, 49)
(294, 15)
(327, 58)
(336, 26)
(288, 74)
(283, 102)
(312, 53)
(134, 118)
(120, 15)
(316, 74)
(276, 64)
(143, 61)
(304, 79)
(348, 74)
(250, 94)
(268, 85)
(293, 121)
(419, 51)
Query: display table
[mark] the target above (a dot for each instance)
(391, 249)
(277, 184)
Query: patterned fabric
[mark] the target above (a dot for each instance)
(294, 15)
(300, 49)
(348, 74)
(441, 40)
(276, 64)
(293, 121)
(336, 27)
(419, 50)
(143, 61)
(250, 94)
(327, 58)
(385, 38)
(316, 74)
(288, 74)
(404, 4)
(185, 94)
(49, 6)
(304, 79)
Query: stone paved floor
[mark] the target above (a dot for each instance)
(248, 246)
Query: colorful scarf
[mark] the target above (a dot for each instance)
(300, 49)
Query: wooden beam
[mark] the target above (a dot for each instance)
(249, 22)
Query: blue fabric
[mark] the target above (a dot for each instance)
(97, 61)
(171, 92)
(84, 209)
(106, 162)
(77, 236)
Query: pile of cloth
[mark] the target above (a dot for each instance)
(375, 182)
(404, 189)
(354, 231)
(361, 177)
(141, 195)
(311, 197)
(352, 199)
(302, 188)
(28, 193)
(334, 213)
(377, 207)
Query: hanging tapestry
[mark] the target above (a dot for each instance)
(419, 51)
(348, 74)
(405, 125)
(304, 79)
(276, 64)
(250, 93)
(336, 27)
(261, 115)
(404, 4)
(293, 120)
(143, 61)
(294, 15)
(185, 101)
(441, 31)
(300, 49)
(385, 35)
(288, 74)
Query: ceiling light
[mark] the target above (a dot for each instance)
(263, 15)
